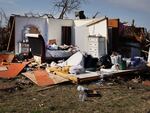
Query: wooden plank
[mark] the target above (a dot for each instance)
(10, 35)
(30, 75)
(13, 70)
(124, 72)
(42, 78)
(73, 78)
(87, 76)
(57, 79)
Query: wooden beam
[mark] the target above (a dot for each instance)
(8, 46)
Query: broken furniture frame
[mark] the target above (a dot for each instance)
(37, 45)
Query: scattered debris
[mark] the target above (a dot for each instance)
(136, 80)
(13, 69)
(49, 64)
(6, 57)
(3, 68)
(146, 83)
(85, 92)
(8, 87)
(42, 78)
(46, 88)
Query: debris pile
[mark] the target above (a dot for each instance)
(49, 64)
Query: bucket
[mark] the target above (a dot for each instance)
(123, 65)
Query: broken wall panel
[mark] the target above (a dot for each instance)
(13, 70)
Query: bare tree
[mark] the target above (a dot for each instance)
(67, 6)
(3, 17)
(4, 31)
(96, 14)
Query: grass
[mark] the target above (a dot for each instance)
(64, 99)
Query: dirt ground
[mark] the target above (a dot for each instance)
(21, 96)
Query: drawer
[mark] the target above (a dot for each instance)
(94, 54)
(93, 39)
(93, 44)
(93, 49)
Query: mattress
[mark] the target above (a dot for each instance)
(58, 53)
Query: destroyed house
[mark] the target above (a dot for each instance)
(81, 33)
(128, 40)
(96, 37)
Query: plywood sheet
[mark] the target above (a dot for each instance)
(57, 79)
(30, 75)
(42, 78)
(13, 70)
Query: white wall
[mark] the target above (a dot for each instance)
(100, 29)
(22, 22)
(81, 22)
(54, 28)
(81, 37)
(51, 29)
(81, 33)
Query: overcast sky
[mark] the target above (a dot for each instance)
(126, 10)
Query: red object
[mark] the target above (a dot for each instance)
(39, 77)
(13, 70)
(42, 78)
(146, 83)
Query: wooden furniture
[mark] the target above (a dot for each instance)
(96, 46)
(37, 45)
(24, 48)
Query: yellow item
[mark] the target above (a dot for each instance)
(73, 78)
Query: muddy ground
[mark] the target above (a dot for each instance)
(20, 95)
